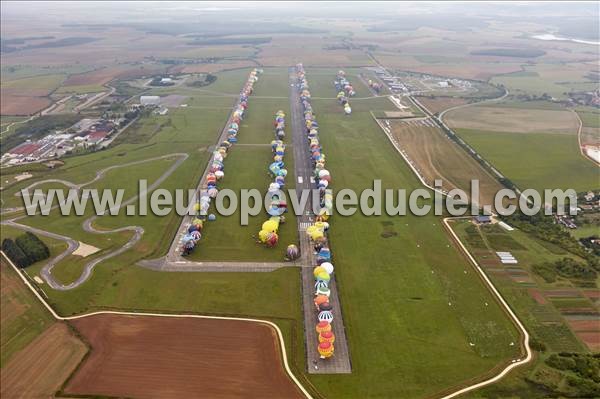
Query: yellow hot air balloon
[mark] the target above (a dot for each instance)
(318, 270)
(327, 336)
(323, 326)
(270, 226)
(316, 235)
(325, 349)
(324, 276)
(262, 235)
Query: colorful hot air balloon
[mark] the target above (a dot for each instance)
(323, 276)
(323, 326)
(325, 315)
(325, 350)
(327, 336)
(323, 291)
(319, 299)
(292, 251)
(318, 270)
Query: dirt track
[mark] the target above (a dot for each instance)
(149, 357)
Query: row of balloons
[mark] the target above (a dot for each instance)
(345, 90)
(317, 232)
(216, 172)
(268, 233)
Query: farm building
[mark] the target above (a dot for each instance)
(149, 100)
(484, 219)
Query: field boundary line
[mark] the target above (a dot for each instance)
(173, 315)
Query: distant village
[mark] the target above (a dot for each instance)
(86, 134)
(82, 135)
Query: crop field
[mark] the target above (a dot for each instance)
(424, 286)
(536, 161)
(513, 120)
(40, 368)
(28, 95)
(437, 157)
(542, 317)
(548, 78)
(439, 104)
(38, 353)
(233, 358)
(23, 319)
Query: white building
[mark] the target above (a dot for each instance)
(149, 100)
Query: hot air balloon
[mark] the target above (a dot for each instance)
(317, 270)
(196, 235)
(262, 235)
(325, 315)
(325, 350)
(321, 284)
(325, 306)
(323, 291)
(272, 239)
(328, 267)
(323, 326)
(319, 299)
(323, 276)
(212, 217)
(270, 226)
(327, 336)
(292, 251)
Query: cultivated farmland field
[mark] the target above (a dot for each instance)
(536, 161)
(234, 358)
(513, 120)
(438, 157)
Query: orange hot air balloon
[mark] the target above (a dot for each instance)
(323, 326)
(327, 336)
(319, 299)
(325, 349)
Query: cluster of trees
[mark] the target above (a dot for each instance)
(25, 250)
(544, 228)
(209, 78)
(568, 375)
(592, 243)
(567, 268)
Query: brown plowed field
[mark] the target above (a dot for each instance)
(22, 105)
(165, 357)
(41, 367)
(438, 104)
(437, 157)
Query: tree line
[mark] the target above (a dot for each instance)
(25, 250)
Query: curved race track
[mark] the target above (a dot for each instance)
(88, 226)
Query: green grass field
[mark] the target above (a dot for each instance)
(45, 83)
(536, 161)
